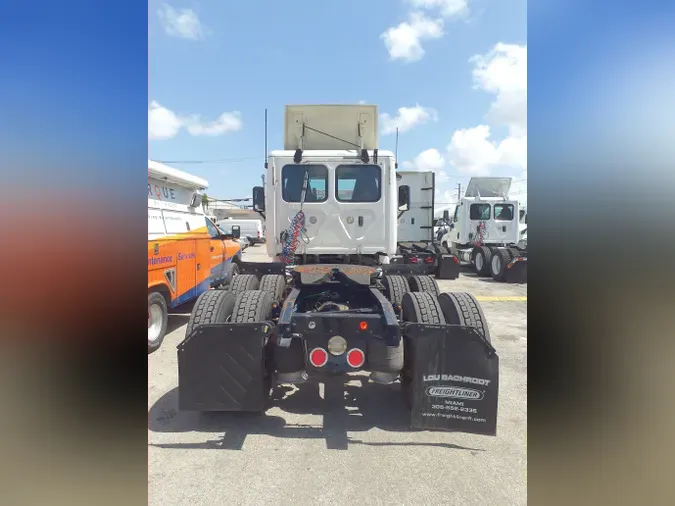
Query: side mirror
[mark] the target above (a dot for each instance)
(236, 231)
(446, 215)
(259, 199)
(196, 200)
(403, 197)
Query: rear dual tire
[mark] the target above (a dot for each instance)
(220, 306)
(418, 307)
(274, 284)
(424, 284)
(480, 258)
(243, 282)
(501, 258)
(463, 309)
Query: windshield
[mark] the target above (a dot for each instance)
(212, 229)
(293, 176)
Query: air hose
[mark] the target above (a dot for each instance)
(481, 234)
(297, 228)
(291, 239)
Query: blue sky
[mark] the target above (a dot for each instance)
(231, 60)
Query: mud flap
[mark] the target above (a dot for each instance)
(406, 269)
(221, 367)
(517, 273)
(448, 267)
(455, 379)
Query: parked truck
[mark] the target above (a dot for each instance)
(417, 243)
(485, 231)
(332, 303)
(187, 253)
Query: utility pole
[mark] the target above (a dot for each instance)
(262, 176)
(459, 191)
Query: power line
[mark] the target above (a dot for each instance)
(224, 160)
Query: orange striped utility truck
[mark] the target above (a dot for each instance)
(187, 253)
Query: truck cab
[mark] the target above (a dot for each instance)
(485, 221)
(485, 215)
(333, 182)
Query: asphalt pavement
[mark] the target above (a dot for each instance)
(346, 442)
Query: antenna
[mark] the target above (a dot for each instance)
(265, 139)
(396, 151)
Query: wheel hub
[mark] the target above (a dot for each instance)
(496, 264)
(154, 322)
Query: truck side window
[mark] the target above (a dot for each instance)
(358, 183)
(293, 176)
(455, 218)
(479, 212)
(213, 231)
(504, 212)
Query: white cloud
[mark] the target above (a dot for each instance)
(431, 160)
(447, 8)
(183, 23)
(404, 41)
(165, 124)
(406, 119)
(162, 122)
(513, 151)
(226, 122)
(428, 160)
(473, 152)
(503, 72)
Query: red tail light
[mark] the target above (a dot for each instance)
(414, 260)
(258, 234)
(318, 357)
(456, 260)
(356, 358)
(429, 260)
(363, 325)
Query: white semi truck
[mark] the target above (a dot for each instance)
(485, 231)
(333, 303)
(417, 234)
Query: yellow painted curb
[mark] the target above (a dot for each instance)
(500, 299)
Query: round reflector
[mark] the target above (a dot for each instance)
(337, 345)
(356, 358)
(318, 357)
(363, 325)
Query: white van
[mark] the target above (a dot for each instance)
(251, 229)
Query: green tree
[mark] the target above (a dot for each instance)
(205, 201)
